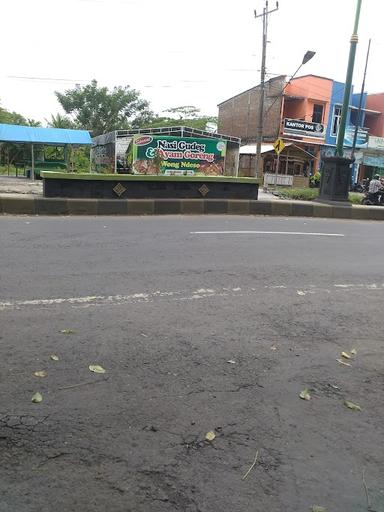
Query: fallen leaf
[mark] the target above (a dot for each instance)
(67, 331)
(343, 362)
(210, 436)
(352, 406)
(273, 348)
(37, 398)
(143, 335)
(54, 357)
(353, 351)
(317, 508)
(300, 292)
(231, 361)
(95, 368)
(304, 395)
(41, 373)
(345, 355)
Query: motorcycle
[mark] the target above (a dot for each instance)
(376, 199)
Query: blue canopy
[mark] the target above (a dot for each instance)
(18, 133)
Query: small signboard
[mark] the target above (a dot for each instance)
(304, 128)
(278, 146)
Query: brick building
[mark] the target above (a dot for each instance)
(238, 116)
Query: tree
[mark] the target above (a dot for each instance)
(7, 117)
(101, 110)
(199, 123)
(60, 121)
(184, 112)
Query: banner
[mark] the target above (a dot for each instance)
(178, 156)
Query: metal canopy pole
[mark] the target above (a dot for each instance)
(32, 162)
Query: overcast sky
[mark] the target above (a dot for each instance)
(176, 52)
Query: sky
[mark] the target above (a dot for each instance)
(175, 52)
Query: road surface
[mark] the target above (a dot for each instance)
(202, 324)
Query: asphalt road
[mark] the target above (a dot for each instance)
(163, 309)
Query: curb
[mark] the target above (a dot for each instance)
(29, 205)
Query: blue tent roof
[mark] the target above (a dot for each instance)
(18, 133)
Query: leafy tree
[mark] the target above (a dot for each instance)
(7, 117)
(101, 110)
(184, 112)
(199, 123)
(60, 121)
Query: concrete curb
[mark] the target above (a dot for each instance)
(35, 205)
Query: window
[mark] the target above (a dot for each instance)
(317, 116)
(336, 120)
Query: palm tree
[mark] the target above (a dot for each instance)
(60, 121)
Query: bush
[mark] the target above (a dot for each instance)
(309, 194)
(355, 197)
(302, 194)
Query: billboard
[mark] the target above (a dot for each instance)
(178, 156)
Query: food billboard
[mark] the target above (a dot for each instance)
(178, 156)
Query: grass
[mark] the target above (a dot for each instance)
(309, 194)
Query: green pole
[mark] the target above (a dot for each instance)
(348, 83)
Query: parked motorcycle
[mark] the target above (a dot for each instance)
(376, 199)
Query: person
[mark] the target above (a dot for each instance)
(375, 188)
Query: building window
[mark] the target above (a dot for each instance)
(317, 116)
(336, 120)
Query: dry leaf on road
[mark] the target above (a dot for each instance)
(343, 362)
(41, 373)
(37, 398)
(352, 406)
(354, 351)
(67, 331)
(210, 436)
(54, 357)
(317, 508)
(95, 368)
(345, 355)
(304, 395)
(231, 361)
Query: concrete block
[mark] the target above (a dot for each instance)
(18, 205)
(342, 212)
(51, 206)
(112, 207)
(260, 207)
(82, 206)
(215, 206)
(283, 208)
(302, 209)
(167, 206)
(141, 206)
(361, 212)
(192, 206)
(238, 207)
(322, 210)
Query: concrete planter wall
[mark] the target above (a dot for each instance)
(112, 186)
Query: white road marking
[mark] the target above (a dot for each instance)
(184, 295)
(264, 233)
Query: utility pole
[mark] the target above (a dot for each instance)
(260, 124)
(360, 103)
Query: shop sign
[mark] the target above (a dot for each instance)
(373, 160)
(303, 128)
(362, 137)
(376, 142)
(178, 156)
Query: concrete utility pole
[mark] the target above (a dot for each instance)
(260, 124)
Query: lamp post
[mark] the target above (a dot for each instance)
(336, 171)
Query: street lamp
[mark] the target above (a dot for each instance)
(336, 172)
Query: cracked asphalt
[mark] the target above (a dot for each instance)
(164, 311)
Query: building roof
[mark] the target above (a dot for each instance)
(310, 74)
(250, 149)
(251, 88)
(31, 134)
